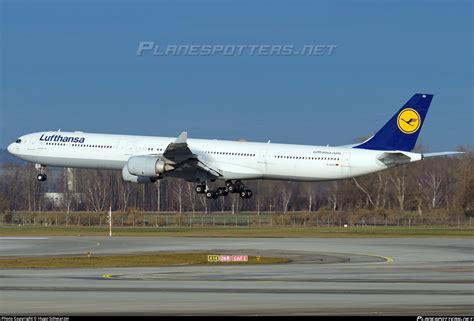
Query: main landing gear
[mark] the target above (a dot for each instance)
(236, 187)
(42, 175)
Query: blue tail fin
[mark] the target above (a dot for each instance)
(401, 131)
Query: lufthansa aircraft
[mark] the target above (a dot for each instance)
(145, 159)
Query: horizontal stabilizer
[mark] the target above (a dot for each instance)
(441, 154)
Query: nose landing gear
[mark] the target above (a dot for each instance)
(41, 177)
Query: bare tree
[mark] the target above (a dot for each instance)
(398, 180)
(380, 199)
(97, 190)
(177, 193)
(158, 195)
(191, 196)
(430, 186)
(369, 199)
(124, 192)
(286, 192)
(332, 195)
(310, 195)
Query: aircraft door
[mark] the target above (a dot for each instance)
(130, 148)
(262, 156)
(345, 159)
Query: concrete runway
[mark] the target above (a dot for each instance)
(327, 276)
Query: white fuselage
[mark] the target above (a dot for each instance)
(235, 159)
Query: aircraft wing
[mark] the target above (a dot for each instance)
(179, 155)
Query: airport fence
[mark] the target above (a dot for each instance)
(227, 219)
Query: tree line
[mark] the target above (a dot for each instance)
(441, 186)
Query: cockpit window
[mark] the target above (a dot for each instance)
(18, 141)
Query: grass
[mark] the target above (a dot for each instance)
(320, 232)
(142, 260)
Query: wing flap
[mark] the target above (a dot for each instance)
(178, 151)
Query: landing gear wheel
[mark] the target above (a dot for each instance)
(246, 193)
(211, 195)
(41, 169)
(239, 186)
(236, 187)
(200, 189)
(222, 191)
(249, 193)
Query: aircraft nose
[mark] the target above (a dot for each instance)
(10, 148)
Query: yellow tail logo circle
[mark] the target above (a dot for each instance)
(408, 121)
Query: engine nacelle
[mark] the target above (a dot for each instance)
(136, 179)
(150, 166)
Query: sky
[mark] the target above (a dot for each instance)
(73, 65)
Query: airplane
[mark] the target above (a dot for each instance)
(146, 159)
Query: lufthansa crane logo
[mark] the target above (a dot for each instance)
(409, 121)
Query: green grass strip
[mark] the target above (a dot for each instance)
(320, 232)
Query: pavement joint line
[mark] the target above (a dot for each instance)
(95, 244)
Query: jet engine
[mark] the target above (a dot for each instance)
(136, 179)
(150, 166)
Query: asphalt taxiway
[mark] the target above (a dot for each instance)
(418, 276)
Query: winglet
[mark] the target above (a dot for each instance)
(182, 138)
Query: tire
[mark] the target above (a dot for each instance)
(249, 193)
(199, 189)
(243, 194)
